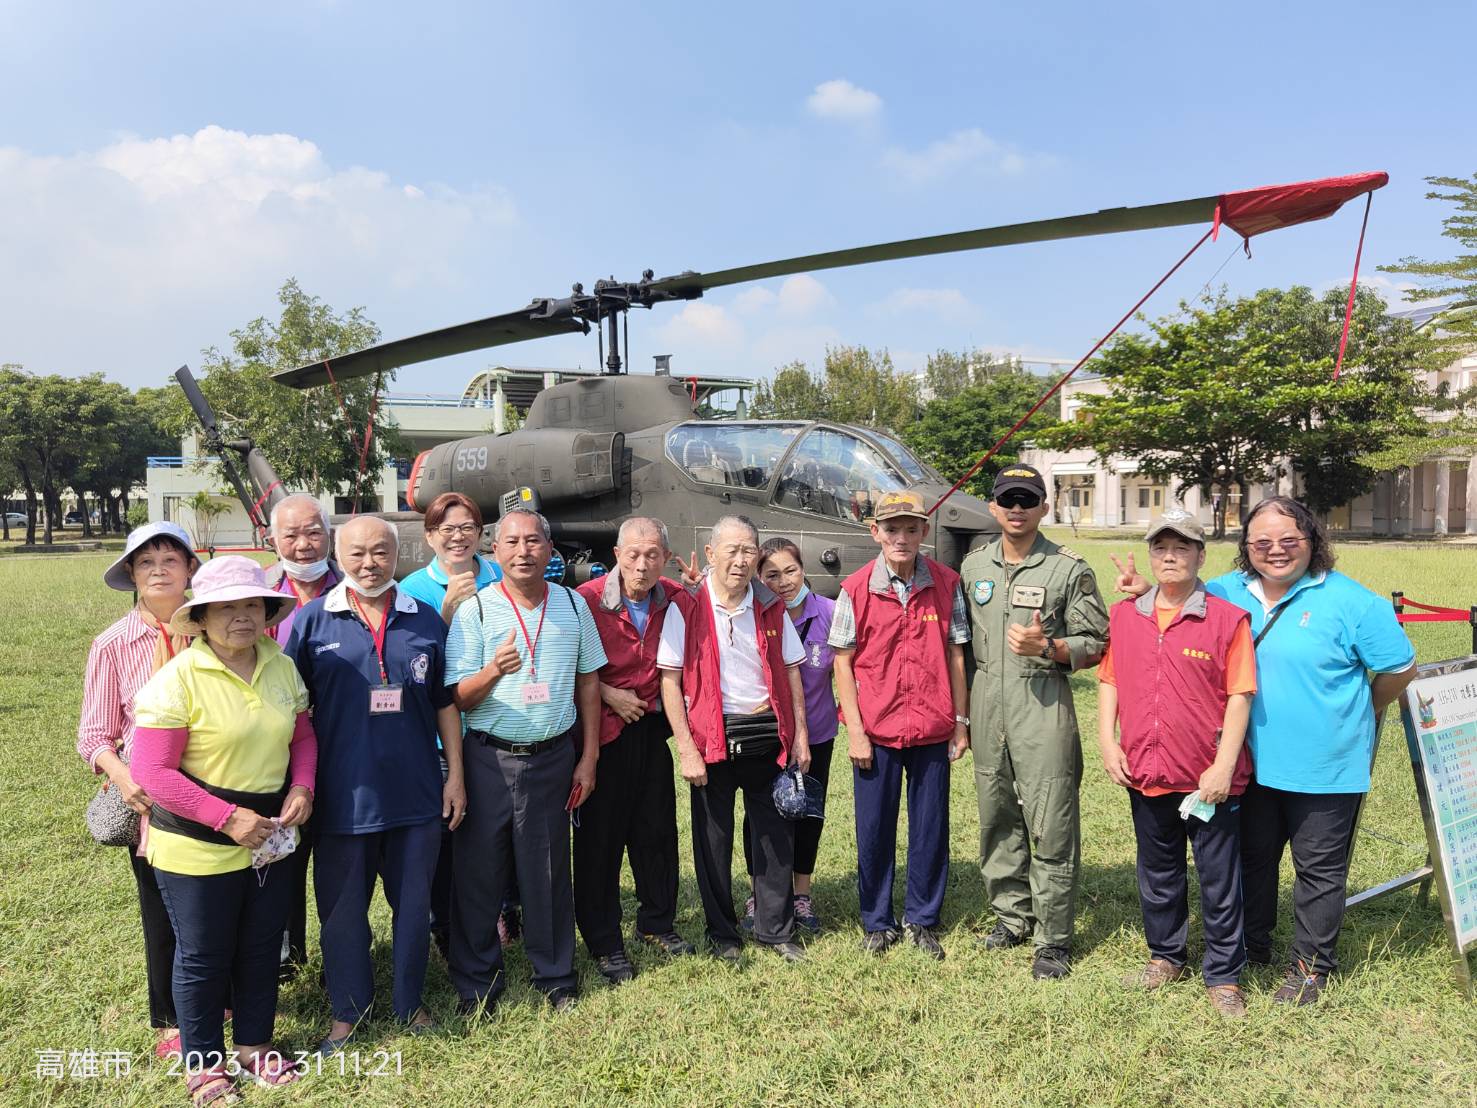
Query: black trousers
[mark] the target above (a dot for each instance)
(771, 836)
(297, 912)
(1164, 885)
(1317, 826)
(158, 943)
(632, 810)
(807, 831)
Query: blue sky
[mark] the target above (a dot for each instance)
(165, 166)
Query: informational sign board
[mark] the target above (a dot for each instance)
(1439, 709)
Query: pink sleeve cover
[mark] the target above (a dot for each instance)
(156, 759)
(302, 754)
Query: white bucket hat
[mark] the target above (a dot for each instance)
(119, 575)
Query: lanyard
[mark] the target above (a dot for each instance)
(532, 643)
(376, 634)
(168, 645)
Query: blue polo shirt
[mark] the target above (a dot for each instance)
(379, 771)
(568, 644)
(428, 584)
(1312, 721)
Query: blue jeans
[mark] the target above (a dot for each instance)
(878, 793)
(228, 938)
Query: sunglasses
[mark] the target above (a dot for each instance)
(1017, 499)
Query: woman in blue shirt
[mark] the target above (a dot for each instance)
(453, 530)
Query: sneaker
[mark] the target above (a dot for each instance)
(732, 953)
(805, 913)
(1258, 956)
(1002, 938)
(509, 926)
(669, 943)
(616, 967)
(563, 999)
(1227, 1000)
(790, 951)
(1051, 963)
(1300, 988)
(1157, 973)
(747, 923)
(875, 942)
(925, 939)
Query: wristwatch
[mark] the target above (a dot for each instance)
(962, 720)
(1049, 650)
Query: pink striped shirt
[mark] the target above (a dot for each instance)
(120, 663)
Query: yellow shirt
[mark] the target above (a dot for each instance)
(238, 737)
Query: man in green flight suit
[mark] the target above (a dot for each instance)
(1036, 616)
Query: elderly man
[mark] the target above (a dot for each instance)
(299, 533)
(373, 660)
(635, 810)
(732, 692)
(523, 658)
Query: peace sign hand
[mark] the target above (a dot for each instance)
(1130, 580)
(691, 573)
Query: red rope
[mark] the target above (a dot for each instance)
(364, 450)
(257, 518)
(1353, 288)
(1452, 616)
(1462, 612)
(1066, 376)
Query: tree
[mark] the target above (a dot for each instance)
(206, 507)
(312, 440)
(855, 386)
(1228, 393)
(947, 374)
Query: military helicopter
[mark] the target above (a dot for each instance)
(595, 451)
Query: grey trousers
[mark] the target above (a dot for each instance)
(515, 825)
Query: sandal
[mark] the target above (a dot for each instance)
(168, 1047)
(212, 1086)
(268, 1068)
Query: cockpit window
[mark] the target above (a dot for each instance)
(837, 475)
(738, 455)
(914, 468)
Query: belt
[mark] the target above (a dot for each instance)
(522, 749)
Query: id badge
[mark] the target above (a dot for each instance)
(384, 699)
(536, 692)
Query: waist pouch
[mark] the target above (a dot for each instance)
(752, 736)
(263, 804)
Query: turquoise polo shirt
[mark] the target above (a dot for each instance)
(1312, 721)
(568, 644)
(428, 584)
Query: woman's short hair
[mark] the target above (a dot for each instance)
(441, 507)
(163, 542)
(776, 545)
(1320, 550)
(272, 606)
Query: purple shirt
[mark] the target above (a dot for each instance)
(283, 631)
(813, 622)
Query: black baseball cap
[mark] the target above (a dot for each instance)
(1018, 476)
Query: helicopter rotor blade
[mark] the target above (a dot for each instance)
(1106, 222)
(215, 443)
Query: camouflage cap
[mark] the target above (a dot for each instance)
(894, 504)
(1181, 522)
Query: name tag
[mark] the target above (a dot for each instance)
(536, 692)
(1027, 596)
(384, 699)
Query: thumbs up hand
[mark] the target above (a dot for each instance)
(507, 659)
(1027, 639)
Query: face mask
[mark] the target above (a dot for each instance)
(280, 843)
(378, 590)
(799, 598)
(304, 571)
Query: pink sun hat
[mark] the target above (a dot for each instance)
(229, 577)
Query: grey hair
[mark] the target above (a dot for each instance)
(733, 521)
(294, 500)
(390, 529)
(497, 529)
(642, 525)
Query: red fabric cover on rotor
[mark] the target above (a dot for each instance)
(1252, 211)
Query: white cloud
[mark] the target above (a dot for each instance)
(1392, 292)
(967, 150)
(753, 300)
(700, 325)
(946, 303)
(117, 254)
(802, 295)
(843, 100)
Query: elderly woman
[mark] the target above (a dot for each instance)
(1319, 635)
(224, 747)
(373, 660)
(783, 570)
(156, 565)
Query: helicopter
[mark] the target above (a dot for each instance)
(595, 451)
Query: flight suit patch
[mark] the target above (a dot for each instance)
(983, 591)
(1027, 596)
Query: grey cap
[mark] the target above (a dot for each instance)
(117, 576)
(1181, 522)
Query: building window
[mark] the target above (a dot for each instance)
(1158, 498)
(1143, 496)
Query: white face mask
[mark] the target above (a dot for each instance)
(799, 598)
(379, 590)
(304, 571)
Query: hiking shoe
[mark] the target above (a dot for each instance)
(732, 953)
(509, 926)
(1051, 963)
(925, 939)
(1002, 938)
(615, 967)
(875, 942)
(563, 999)
(669, 943)
(1227, 1000)
(805, 913)
(1300, 988)
(747, 923)
(1157, 973)
(790, 951)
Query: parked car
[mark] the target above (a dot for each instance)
(15, 519)
(73, 519)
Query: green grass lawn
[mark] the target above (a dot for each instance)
(843, 1028)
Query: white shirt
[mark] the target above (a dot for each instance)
(740, 669)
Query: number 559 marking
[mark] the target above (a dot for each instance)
(469, 458)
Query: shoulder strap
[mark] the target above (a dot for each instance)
(1256, 642)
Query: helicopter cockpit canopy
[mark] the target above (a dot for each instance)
(838, 474)
(739, 455)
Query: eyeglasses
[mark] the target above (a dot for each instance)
(1018, 500)
(1264, 546)
(455, 530)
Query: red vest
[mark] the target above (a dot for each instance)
(701, 687)
(902, 655)
(630, 658)
(1172, 689)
